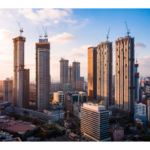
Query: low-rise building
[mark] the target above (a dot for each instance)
(140, 112)
(5, 135)
(59, 97)
(82, 97)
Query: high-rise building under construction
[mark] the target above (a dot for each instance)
(92, 73)
(21, 75)
(104, 73)
(124, 74)
(42, 74)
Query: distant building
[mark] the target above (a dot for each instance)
(80, 86)
(104, 73)
(124, 74)
(68, 87)
(70, 74)
(59, 97)
(54, 87)
(147, 89)
(7, 90)
(137, 83)
(148, 109)
(21, 75)
(92, 73)
(42, 74)
(95, 121)
(81, 78)
(140, 112)
(63, 71)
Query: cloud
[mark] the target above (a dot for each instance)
(64, 37)
(139, 45)
(82, 24)
(6, 35)
(44, 15)
(79, 52)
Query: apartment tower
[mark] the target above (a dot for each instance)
(124, 74)
(63, 71)
(92, 73)
(7, 90)
(70, 74)
(42, 74)
(104, 73)
(20, 88)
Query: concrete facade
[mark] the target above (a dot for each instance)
(92, 73)
(80, 85)
(136, 83)
(104, 73)
(68, 87)
(63, 71)
(42, 75)
(124, 74)
(19, 87)
(7, 90)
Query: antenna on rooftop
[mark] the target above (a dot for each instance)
(45, 31)
(21, 29)
(128, 30)
(108, 34)
(40, 35)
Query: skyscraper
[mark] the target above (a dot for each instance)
(42, 74)
(20, 89)
(76, 73)
(124, 74)
(63, 71)
(92, 73)
(7, 90)
(70, 74)
(104, 73)
(136, 83)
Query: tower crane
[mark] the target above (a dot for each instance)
(40, 35)
(45, 31)
(128, 30)
(20, 29)
(108, 34)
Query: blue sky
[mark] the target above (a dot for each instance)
(71, 32)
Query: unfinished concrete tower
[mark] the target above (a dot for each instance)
(20, 90)
(42, 74)
(70, 74)
(92, 73)
(124, 74)
(104, 73)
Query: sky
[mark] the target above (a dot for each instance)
(70, 33)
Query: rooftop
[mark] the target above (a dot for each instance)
(93, 106)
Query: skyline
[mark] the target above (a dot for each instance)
(70, 33)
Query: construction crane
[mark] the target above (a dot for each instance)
(40, 35)
(128, 30)
(108, 34)
(21, 29)
(45, 31)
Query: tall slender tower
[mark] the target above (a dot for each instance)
(92, 73)
(42, 74)
(124, 74)
(20, 89)
(76, 73)
(70, 74)
(63, 71)
(104, 73)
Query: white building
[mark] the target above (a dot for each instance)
(5, 135)
(59, 97)
(140, 109)
(7, 90)
(95, 121)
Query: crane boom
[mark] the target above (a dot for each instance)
(128, 30)
(108, 34)
(21, 30)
